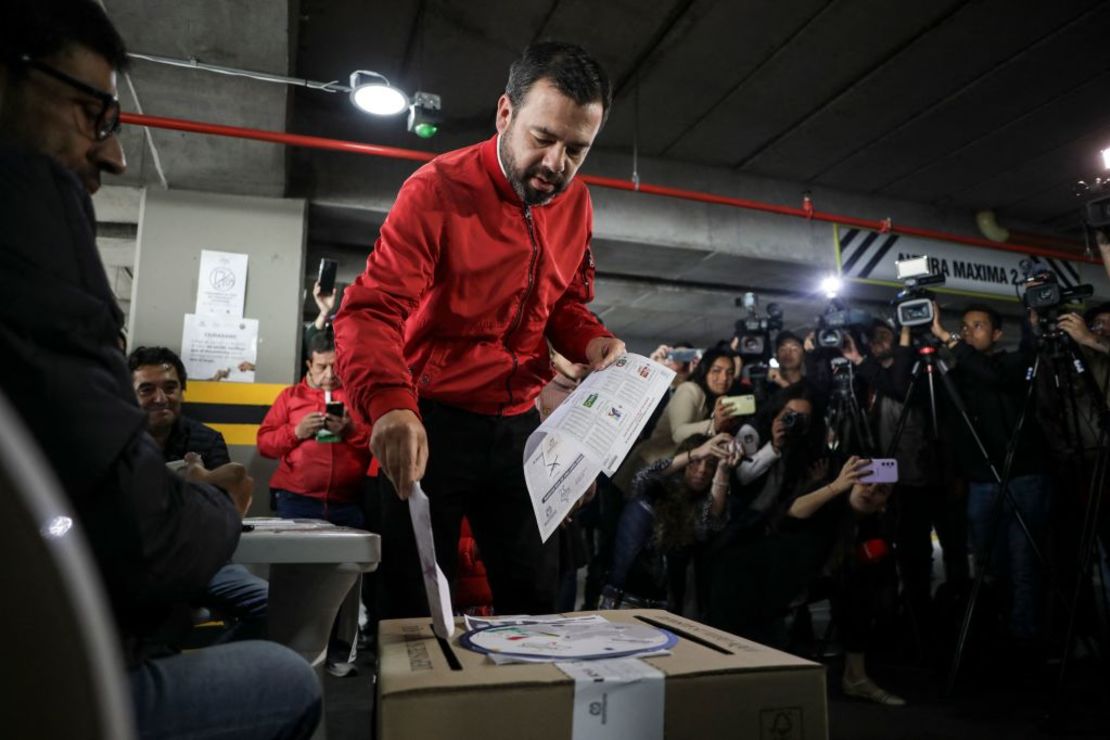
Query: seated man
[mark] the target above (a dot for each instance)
(157, 539)
(159, 378)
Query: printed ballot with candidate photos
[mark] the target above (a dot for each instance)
(590, 433)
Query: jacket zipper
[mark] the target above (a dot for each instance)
(523, 302)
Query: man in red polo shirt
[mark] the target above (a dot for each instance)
(324, 457)
(443, 341)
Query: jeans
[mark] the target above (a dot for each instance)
(475, 470)
(1012, 552)
(291, 505)
(234, 592)
(240, 691)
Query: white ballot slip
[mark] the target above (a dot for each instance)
(590, 433)
(435, 583)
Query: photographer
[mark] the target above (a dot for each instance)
(923, 499)
(677, 502)
(695, 408)
(993, 387)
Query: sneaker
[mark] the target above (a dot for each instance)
(867, 689)
(341, 670)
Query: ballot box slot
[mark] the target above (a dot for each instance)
(449, 654)
(685, 635)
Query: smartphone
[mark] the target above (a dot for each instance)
(326, 278)
(741, 405)
(883, 470)
(683, 354)
(335, 409)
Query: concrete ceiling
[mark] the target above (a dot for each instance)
(958, 104)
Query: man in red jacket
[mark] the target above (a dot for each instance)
(443, 340)
(324, 456)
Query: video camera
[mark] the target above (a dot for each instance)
(1044, 292)
(754, 334)
(838, 322)
(913, 305)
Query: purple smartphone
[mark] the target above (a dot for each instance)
(883, 470)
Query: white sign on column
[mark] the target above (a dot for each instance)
(222, 284)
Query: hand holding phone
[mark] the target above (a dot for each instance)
(881, 470)
(740, 405)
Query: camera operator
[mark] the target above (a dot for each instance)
(790, 354)
(923, 493)
(993, 387)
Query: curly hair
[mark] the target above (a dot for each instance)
(676, 510)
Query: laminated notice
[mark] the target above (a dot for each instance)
(619, 699)
(590, 433)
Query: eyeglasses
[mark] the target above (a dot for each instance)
(106, 122)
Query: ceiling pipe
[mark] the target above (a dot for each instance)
(805, 211)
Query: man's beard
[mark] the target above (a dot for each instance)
(519, 180)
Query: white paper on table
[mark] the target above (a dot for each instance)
(221, 284)
(590, 433)
(435, 583)
(215, 347)
(619, 699)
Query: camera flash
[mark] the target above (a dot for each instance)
(830, 286)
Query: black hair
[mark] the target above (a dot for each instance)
(995, 317)
(1090, 314)
(157, 356)
(568, 67)
(770, 410)
(702, 370)
(42, 28)
(787, 336)
(320, 343)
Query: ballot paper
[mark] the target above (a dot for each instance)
(435, 583)
(590, 433)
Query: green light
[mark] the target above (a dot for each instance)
(425, 130)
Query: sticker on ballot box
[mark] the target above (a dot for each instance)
(619, 699)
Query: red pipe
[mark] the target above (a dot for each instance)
(319, 142)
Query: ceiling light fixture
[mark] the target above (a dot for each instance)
(831, 286)
(371, 92)
(1106, 158)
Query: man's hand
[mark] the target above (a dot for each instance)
(775, 376)
(324, 302)
(309, 425)
(400, 444)
(602, 352)
(1075, 327)
(810, 343)
(938, 331)
(338, 425)
(849, 350)
(660, 353)
(568, 369)
(906, 338)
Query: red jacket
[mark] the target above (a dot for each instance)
(330, 471)
(462, 287)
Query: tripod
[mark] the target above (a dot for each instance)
(848, 427)
(1069, 364)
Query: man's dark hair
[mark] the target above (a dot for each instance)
(157, 356)
(1090, 314)
(42, 28)
(320, 343)
(995, 317)
(570, 69)
(787, 336)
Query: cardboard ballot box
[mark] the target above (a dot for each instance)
(716, 685)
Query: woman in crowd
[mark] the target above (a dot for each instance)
(677, 503)
(694, 408)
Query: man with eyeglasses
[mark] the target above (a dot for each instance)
(992, 385)
(157, 538)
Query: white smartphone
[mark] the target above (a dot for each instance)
(883, 470)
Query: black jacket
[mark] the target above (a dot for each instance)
(157, 540)
(994, 388)
(189, 435)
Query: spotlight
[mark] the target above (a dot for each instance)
(424, 118)
(1106, 158)
(372, 93)
(831, 286)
